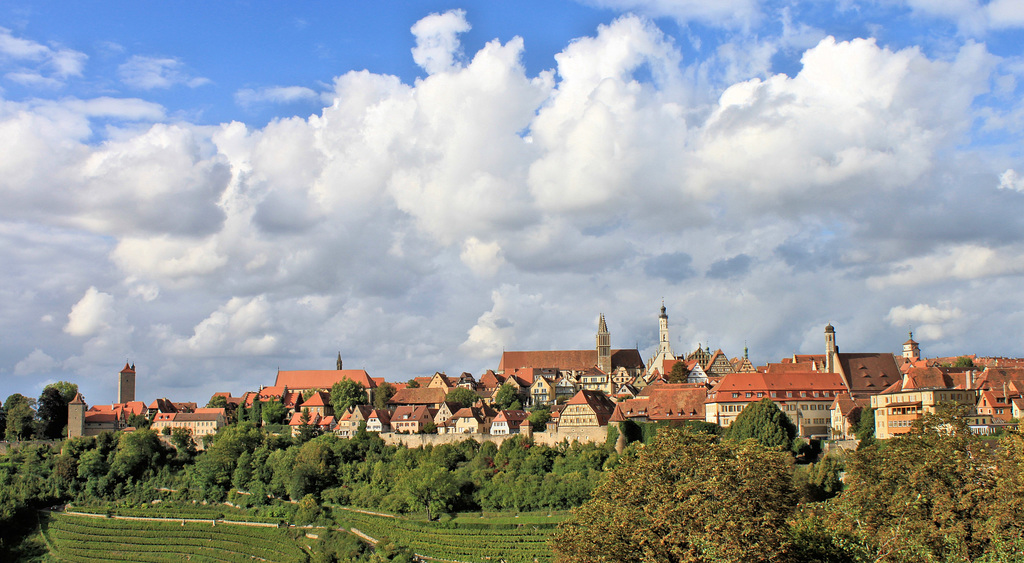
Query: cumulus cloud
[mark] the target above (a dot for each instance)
(36, 362)
(149, 73)
(929, 322)
(1010, 180)
(484, 258)
(437, 44)
(239, 327)
(93, 313)
(429, 225)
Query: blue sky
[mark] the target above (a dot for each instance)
(217, 190)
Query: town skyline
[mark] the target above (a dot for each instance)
(218, 192)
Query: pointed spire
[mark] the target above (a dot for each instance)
(601, 325)
(339, 360)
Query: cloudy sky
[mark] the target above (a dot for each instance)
(213, 191)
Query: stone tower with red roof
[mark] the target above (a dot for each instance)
(76, 416)
(126, 384)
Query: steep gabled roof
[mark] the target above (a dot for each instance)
(869, 373)
(567, 360)
(418, 396)
(301, 380)
(317, 399)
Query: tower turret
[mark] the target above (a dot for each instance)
(126, 384)
(911, 349)
(831, 350)
(76, 416)
(604, 346)
(339, 361)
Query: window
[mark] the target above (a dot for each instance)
(789, 393)
(760, 394)
(803, 393)
(774, 394)
(749, 394)
(735, 395)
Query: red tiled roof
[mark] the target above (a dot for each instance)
(869, 373)
(418, 396)
(743, 383)
(575, 360)
(675, 401)
(317, 399)
(301, 380)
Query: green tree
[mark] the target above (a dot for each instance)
(764, 422)
(462, 396)
(182, 440)
(539, 418)
(865, 429)
(927, 495)
(505, 397)
(21, 414)
(67, 389)
(274, 412)
(412, 384)
(430, 486)
(346, 394)
(686, 497)
(963, 362)
(382, 394)
(679, 373)
(306, 430)
(52, 413)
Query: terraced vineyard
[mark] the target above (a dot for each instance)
(484, 543)
(87, 539)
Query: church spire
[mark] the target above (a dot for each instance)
(604, 346)
(339, 361)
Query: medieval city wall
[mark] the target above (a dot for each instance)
(584, 435)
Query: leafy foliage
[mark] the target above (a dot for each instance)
(678, 373)
(764, 422)
(346, 394)
(462, 396)
(686, 497)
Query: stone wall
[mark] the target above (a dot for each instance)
(585, 435)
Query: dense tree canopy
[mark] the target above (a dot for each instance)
(686, 497)
(462, 396)
(346, 394)
(678, 373)
(764, 422)
(506, 397)
(20, 413)
(382, 394)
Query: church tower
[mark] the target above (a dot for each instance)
(339, 361)
(664, 347)
(76, 416)
(911, 349)
(831, 350)
(604, 346)
(126, 384)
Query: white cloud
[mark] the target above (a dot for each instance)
(428, 225)
(149, 73)
(275, 95)
(484, 258)
(927, 321)
(960, 262)
(36, 362)
(92, 314)
(39, 65)
(1010, 180)
(239, 327)
(437, 44)
(495, 330)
